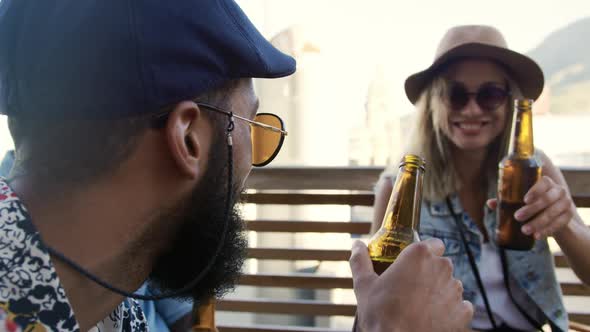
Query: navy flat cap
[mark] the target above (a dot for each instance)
(115, 58)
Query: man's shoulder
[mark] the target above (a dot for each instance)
(127, 317)
(31, 298)
(22, 254)
(12, 209)
(136, 316)
(30, 293)
(165, 312)
(7, 321)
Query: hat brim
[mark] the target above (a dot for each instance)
(526, 72)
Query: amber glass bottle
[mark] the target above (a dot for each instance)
(402, 216)
(518, 172)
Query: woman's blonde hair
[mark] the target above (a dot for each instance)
(427, 139)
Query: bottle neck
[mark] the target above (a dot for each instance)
(521, 141)
(404, 204)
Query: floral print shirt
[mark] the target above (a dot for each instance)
(31, 296)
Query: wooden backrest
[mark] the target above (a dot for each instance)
(349, 187)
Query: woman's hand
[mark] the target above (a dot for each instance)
(549, 204)
(549, 208)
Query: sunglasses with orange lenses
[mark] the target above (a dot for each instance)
(267, 133)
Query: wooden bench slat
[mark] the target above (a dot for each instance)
(315, 308)
(574, 289)
(560, 260)
(297, 226)
(578, 326)
(273, 328)
(292, 307)
(313, 178)
(582, 200)
(574, 325)
(358, 178)
(295, 280)
(299, 254)
(294, 226)
(310, 281)
(334, 255)
(359, 199)
(354, 199)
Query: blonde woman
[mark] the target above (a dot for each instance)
(463, 104)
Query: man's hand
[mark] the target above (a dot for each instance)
(416, 293)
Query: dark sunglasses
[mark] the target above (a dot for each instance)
(489, 97)
(267, 133)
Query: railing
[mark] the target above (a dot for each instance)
(334, 186)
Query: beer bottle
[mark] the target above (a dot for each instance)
(204, 314)
(518, 172)
(402, 216)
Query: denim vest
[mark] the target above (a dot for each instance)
(532, 270)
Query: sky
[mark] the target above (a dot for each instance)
(412, 29)
(400, 37)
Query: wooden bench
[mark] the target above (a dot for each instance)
(324, 188)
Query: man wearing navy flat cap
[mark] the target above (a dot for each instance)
(135, 127)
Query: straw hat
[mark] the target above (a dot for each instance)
(479, 41)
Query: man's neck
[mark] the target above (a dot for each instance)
(99, 228)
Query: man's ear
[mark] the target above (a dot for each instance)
(185, 140)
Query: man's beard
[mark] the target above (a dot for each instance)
(201, 218)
